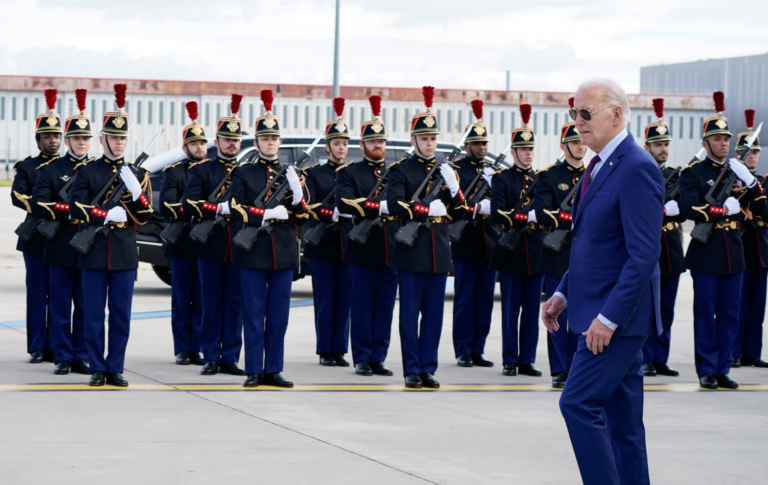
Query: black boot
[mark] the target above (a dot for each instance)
(253, 380)
(62, 368)
(276, 380)
(117, 379)
(464, 360)
(481, 361)
(708, 381)
(36, 357)
(363, 369)
(196, 358)
(663, 369)
(379, 369)
(210, 368)
(509, 370)
(528, 370)
(649, 370)
(558, 380)
(340, 360)
(81, 367)
(413, 381)
(327, 360)
(428, 380)
(97, 379)
(182, 358)
(231, 368)
(726, 382)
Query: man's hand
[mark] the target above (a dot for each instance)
(598, 336)
(550, 311)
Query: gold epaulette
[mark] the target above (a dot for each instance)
(316, 164)
(19, 161)
(83, 163)
(344, 166)
(194, 164)
(499, 170)
(46, 163)
(689, 166)
(546, 168)
(172, 165)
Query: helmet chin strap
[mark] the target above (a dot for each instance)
(567, 147)
(111, 152)
(710, 146)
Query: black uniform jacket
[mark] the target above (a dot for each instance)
(508, 186)
(203, 179)
(480, 235)
(755, 235)
(724, 252)
(671, 260)
(554, 185)
(321, 180)
(431, 252)
(353, 185)
(115, 250)
(175, 178)
(277, 249)
(21, 195)
(48, 205)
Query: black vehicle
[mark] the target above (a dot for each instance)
(151, 247)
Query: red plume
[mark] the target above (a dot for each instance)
(266, 98)
(235, 104)
(477, 108)
(658, 107)
(719, 99)
(749, 114)
(338, 106)
(50, 98)
(525, 113)
(80, 96)
(428, 92)
(375, 101)
(120, 90)
(570, 102)
(192, 110)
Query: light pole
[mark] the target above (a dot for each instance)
(336, 56)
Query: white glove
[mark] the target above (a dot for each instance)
(671, 208)
(335, 216)
(483, 207)
(280, 213)
(437, 208)
(131, 182)
(293, 180)
(532, 216)
(383, 207)
(742, 172)
(450, 178)
(487, 175)
(224, 208)
(732, 205)
(116, 214)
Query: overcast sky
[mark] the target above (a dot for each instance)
(547, 45)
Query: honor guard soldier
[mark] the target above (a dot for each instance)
(109, 267)
(330, 275)
(749, 339)
(66, 284)
(424, 265)
(717, 261)
(671, 260)
(475, 281)
(512, 208)
(553, 197)
(221, 335)
(186, 299)
(267, 268)
(360, 190)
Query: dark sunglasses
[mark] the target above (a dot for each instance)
(585, 113)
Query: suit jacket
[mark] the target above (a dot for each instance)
(614, 257)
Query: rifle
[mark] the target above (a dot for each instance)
(509, 239)
(555, 240)
(672, 192)
(315, 234)
(27, 229)
(246, 237)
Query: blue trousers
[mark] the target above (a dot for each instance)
(472, 307)
(656, 348)
(112, 289)
(562, 344)
(520, 292)
(331, 296)
(374, 291)
(67, 327)
(266, 305)
(186, 306)
(38, 333)
(221, 336)
(716, 302)
(602, 404)
(749, 337)
(421, 293)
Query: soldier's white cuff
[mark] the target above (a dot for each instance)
(607, 322)
(562, 297)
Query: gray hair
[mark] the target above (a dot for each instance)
(614, 93)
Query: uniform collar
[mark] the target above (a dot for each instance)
(371, 163)
(426, 161)
(114, 161)
(334, 164)
(267, 161)
(520, 169)
(46, 156)
(226, 160)
(715, 163)
(74, 159)
(574, 169)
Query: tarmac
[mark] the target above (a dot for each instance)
(174, 426)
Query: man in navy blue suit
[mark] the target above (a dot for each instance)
(614, 295)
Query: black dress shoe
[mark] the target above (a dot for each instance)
(558, 380)
(663, 369)
(363, 369)
(340, 360)
(117, 379)
(48, 356)
(528, 370)
(708, 381)
(210, 368)
(182, 358)
(726, 382)
(231, 368)
(736, 363)
(464, 360)
(97, 379)
(36, 357)
(327, 360)
(379, 369)
(81, 367)
(754, 362)
(253, 380)
(649, 370)
(509, 370)
(196, 358)
(62, 368)
(276, 380)
(480, 361)
(413, 381)
(428, 380)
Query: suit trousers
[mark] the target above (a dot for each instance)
(716, 300)
(67, 326)
(520, 293)
(602, 405)
(562, 344)
(421, 293)
(472, 307)
(749, 338)
(374, 291)
(656, 348)
(38, 315)
(331, 296)
(186, 306)
(221, 336)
